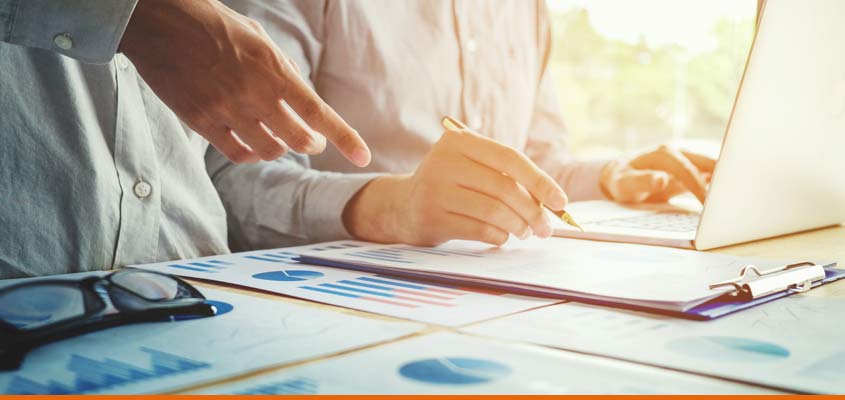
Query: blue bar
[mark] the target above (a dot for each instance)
(435, 284)
(405, 285)
(380, 258)
(354, 296)
(426, 251)
(199, 264)
(267, 259)
(388, 254)
(390, 250)
(333, 286)
(219, 262)
(276, 256)
(189, 268)
(462, 253)
(347, 282)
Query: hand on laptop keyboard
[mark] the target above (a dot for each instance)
(657, 176)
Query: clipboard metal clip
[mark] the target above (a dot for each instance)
(795, 278)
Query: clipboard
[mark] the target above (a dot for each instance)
(769, 285)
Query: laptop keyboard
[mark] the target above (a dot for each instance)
(669, 222)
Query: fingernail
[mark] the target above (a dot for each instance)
(361, 157)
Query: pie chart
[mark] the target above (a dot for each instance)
(454, 371)
(291, 275)
(729, 349)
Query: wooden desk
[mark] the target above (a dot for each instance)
(825, 244)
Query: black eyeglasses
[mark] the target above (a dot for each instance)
(43, 311)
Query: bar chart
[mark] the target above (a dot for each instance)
(92, 375)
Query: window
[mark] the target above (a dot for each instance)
(634, 74)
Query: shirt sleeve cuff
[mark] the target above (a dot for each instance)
(86, 30)
(326, 202)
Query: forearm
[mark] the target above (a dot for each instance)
(282, 203)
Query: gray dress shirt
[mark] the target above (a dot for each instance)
(95, 171)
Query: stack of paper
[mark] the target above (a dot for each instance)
(276, 271)
(644, 276)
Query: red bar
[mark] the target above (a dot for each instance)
(395, 303)
(436, 303)
(421, 293)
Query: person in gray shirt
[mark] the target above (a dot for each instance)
(107, 108)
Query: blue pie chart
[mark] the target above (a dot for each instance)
(291, 275)
(454, 371)
(729, 349)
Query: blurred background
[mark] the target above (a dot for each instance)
(634, 74)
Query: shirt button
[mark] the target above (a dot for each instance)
(472, 45)
(63, 41)
(142, 189)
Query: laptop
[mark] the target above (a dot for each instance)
(782, 165)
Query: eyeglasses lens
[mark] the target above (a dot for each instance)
(148, 285)
(31, 307)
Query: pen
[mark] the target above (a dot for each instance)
(453, 124)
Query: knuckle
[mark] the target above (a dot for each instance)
(216, 107)
(313, 108)
(542, 187)
(271, 151)
(300, 141)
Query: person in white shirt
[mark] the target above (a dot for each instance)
(392, 69)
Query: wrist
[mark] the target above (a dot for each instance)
(372, 214)
(605, 177)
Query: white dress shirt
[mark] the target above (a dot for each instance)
(392, 69)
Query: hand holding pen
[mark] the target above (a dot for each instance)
(453, 124)
(467, 187)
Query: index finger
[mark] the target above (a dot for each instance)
(513, 163)
(677, 165)
(704, 163)
(322, 118)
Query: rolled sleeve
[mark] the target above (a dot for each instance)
(86, 30)
(283, 202)
(326, 201)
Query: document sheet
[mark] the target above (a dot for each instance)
(648, 276)
(794, 343)
(248, 334)
(276, 271)
(458, 364)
